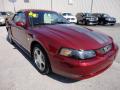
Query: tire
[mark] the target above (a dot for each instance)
(0, 24)
(10, 37)
(41, 60)
(102, 23)
(79, 22)
(112, 24)
(84, 22)
(87, 23)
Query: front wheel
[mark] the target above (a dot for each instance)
(102, 23)
(78, 22)
(84, 22)
(41, 60)
(112, 24)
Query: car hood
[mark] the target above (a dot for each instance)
(111, 18)
(3, 16)
(69, 16)
(90, 16)
(73, 36)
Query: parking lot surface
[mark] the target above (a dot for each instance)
(18, 73)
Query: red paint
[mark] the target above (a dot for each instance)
(53, 37)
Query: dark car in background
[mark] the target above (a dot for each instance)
(105, 19)
(86, 19)
(4, 16)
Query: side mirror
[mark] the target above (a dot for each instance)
(20, 24)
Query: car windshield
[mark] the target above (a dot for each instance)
(88, 14)
(106, 15)
(10, 13)
(2, 13)
(97, 15)
(46, 17)
(67, 14)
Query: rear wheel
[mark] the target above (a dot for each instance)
(84, 22)
(0, 24)
(102, 23)
(78, 22)
(112, 24)
(41, 60)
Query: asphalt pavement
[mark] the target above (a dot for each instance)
(18, 73)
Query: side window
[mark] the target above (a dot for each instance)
(102, 15)
(64, 14)
(83, 15)
(16, 18)
(20, 17)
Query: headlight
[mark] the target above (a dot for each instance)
(68, 18)
(88, 18)
(77, 54)
(108, 19)
(97, 19)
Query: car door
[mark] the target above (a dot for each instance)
(82, 17)
(102, 19)
(19, 33)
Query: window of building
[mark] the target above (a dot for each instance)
(12, 1)
(26, 1)
(70, 2)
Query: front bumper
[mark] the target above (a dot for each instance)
(2, 22)
(73, 21)
(78, 69)
(92, 22)
(110, 22)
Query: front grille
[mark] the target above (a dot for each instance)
(72, 19)
(105, 49)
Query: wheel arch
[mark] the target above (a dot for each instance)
(36, 43)
(43, 49)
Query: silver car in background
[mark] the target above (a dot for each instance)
(4, 16)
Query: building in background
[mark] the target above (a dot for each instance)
(111, 7)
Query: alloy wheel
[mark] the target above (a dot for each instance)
(39, 59)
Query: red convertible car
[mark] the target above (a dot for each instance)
(60, 47)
